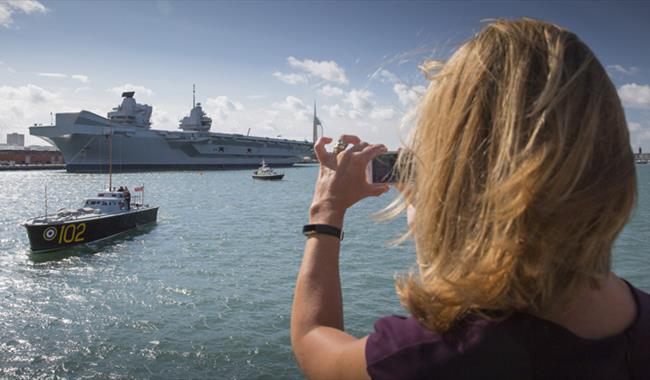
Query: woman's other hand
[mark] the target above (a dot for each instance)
(342, 179)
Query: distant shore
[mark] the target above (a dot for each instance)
(32, 167)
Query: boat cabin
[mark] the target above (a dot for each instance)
(108, 202)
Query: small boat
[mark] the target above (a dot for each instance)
(265, 172)
(641, 161)
(108, 214)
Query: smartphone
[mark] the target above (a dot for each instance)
(382, 168)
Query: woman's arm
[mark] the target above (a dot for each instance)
(321, 346)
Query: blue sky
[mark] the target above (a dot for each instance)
(261, 65)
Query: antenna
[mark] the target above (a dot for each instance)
(193, 95)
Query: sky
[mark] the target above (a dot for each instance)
(262, 65)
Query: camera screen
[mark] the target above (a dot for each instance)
(383, 168)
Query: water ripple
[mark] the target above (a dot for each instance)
(206, 293)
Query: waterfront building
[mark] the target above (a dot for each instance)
(15, 139)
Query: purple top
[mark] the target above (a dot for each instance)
(520, 347)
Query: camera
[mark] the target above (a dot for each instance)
(382, 168)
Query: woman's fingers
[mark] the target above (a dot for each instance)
(319, 148)
(372, 151)
(350, 139)
(359, 147)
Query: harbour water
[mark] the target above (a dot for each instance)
(205, 293)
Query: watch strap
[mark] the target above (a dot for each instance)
(325, 229)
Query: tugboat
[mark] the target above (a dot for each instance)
(265, 172)
(108, 214)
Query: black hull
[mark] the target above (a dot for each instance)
(269, 177)
(76, 168)
(60, 235)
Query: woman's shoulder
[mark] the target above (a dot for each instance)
(640, 328)
(642, 298)
(402, 345)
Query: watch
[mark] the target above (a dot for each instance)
(325, 229)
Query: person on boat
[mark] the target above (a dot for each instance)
(520, 178)
(127, 197)
(121, 189)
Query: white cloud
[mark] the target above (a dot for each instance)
(387, 76)
(9, 69)
(82, 89)
(328, 90)
(25, 105)
(645, 136)
(139, 90)
(225, 103)
(634, 95)
(384, 76)
(408, 95)
(335, 111)
(327, 70)
(633, 127)
(640, 135)
(297, 107)
(354, 114)
(623, 70)
(161, 119)
(9, 7)
(256, 97)
(29, 94)
(360, 100)
(272, 112)
(52, 75)
(382, 113)
(80, 77)
(291, 78)
(269, 126)
(221, 107)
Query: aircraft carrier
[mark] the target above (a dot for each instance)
(88, 140)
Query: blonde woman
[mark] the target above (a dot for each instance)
(521, 179)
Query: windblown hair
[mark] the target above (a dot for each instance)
(522, 176)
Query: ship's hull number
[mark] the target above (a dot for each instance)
(67, 233)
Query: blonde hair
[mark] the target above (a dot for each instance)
(522, 176)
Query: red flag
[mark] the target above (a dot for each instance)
(139, 188)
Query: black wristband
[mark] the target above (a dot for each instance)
(326, 229)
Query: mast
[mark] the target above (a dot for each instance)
(193, 96)
(110, 160)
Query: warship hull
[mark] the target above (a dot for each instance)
(83, 139)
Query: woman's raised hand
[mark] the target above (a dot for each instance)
(342, 178)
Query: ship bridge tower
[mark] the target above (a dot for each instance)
(197, 120)
(130, 112)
